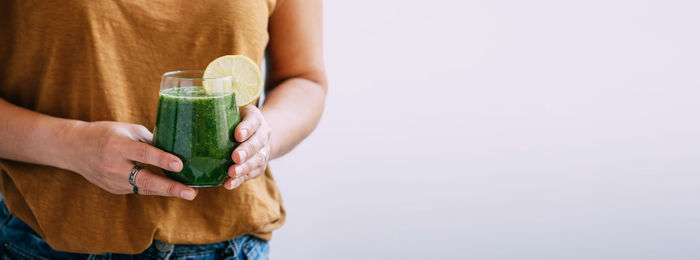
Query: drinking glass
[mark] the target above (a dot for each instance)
(197, 126)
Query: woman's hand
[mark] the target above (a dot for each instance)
(251, 156)
(105, 152)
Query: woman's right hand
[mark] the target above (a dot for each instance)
(105, 152)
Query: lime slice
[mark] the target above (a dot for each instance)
(247, 78)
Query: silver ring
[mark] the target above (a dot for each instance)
(132, 177)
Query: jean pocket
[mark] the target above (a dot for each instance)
(11, 251)
(256, 249)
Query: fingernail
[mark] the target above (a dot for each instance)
(187, 194)
(242, 155)
(238, 170)
(174, 166)
(244, 133)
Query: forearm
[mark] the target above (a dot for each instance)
(293, 109)
(32, 137)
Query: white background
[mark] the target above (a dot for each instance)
(501, 130)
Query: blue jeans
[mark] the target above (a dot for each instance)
(19, 241)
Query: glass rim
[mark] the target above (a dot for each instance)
(172, 74)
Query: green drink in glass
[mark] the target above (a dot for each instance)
(197, 126)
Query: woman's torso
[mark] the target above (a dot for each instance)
(102, 60)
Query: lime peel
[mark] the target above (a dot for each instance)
(246, 76)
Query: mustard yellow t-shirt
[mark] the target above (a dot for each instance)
(102, 60)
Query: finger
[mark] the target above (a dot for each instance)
(255, 173)
(148, 154)
(249, 147)
(252, 119)
(257, 161)
(150, 183)
(237, 170)
(233, 183)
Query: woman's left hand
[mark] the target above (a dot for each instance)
(251, 156)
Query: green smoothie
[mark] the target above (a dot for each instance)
(198, 128)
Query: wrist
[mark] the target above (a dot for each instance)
(66, 135)
(278, 137)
